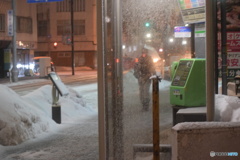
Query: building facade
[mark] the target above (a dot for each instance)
(54, 23)
(41, 25)
(26, 38)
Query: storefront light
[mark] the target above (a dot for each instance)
(19, 65)
(184, 42)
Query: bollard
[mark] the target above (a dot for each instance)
(56, 107)
(155, 113)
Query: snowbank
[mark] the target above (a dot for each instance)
(227, 108)
(23, 118)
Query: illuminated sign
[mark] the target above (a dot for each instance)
(10, 22)
(193, 11)
(182, 31)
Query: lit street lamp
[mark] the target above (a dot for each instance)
(148, 35)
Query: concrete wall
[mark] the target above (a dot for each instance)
(195, 140)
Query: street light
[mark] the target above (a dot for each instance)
(148, 35)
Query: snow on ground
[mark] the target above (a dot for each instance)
(26, 117)
(227, 108)
(23, 118)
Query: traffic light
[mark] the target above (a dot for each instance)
(147, 24)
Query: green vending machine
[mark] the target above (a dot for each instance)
(188, 87)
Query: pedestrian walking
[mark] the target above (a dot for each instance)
(143, 70)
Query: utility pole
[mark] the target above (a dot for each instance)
(193, 41)
(14, 47)
(72, 36)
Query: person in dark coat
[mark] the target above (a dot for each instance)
(143, 70)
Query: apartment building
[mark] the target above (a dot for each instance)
(41, 25)
(54, 23)
(26, 39)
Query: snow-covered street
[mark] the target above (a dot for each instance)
(27, 131)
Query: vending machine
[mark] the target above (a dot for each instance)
(188, 87)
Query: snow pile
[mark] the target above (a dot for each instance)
(227, 108)
(23, 118)
(205, 125)
(227, 111)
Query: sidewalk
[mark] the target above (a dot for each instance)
(60, 70)
(20, 79)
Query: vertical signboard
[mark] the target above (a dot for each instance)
(233, 39)
(193, 11)
(10, 22)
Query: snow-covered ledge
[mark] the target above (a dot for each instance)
(196, 140)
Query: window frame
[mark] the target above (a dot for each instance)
(24, 25)
(65, 6)
(2, 22)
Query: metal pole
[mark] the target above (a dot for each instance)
(14, 69)
(193, 41)
(216, 47)
(101, 48)
(224, 47)
(117, 100)
(155, 113)
(72, 36)
(210, 50)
